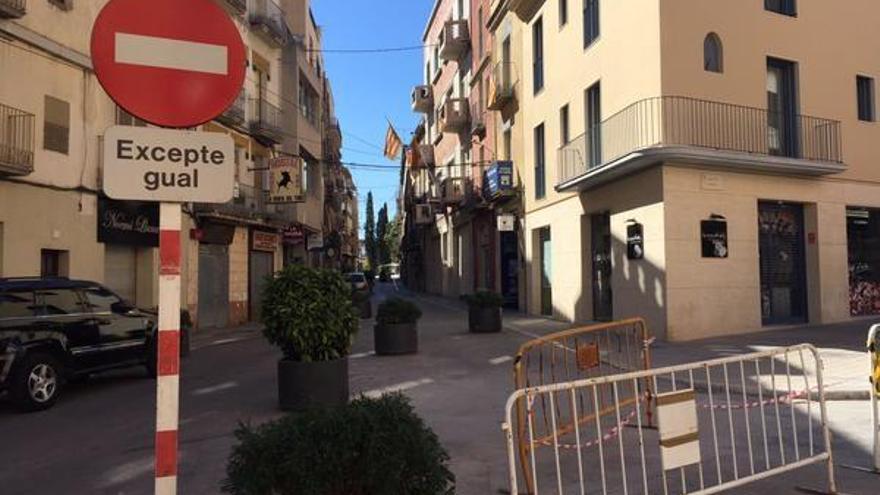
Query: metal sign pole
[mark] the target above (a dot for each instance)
(168, 349)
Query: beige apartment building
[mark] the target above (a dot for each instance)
(54, 219)
(709, 165)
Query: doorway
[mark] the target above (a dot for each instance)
(546, 252)
(213, 286)
(783, 264)
(509, 269)
(600, 235)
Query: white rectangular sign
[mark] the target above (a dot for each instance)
(506, 223)
(679, 429)
(149, 164)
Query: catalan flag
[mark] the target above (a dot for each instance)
(393, 144)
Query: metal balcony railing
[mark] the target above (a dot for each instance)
(12, 8)
(16, 141)
(455, 41)
(239, 6)
(266, 120)
(478, 119)
(234, 115)
(503, 86)
(249, 203)
(675, 121)
(268, 18)
(455, 115)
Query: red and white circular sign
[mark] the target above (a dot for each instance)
(172, 63)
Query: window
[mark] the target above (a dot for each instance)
(53, 263)
(591, 22)
(58, 302)
(713, 54)
(56, 125)
(782, 108)
(479, 28)
(125, 118)
(563, 12)
(865, 91)
(786, 7)
(593, 112)
(16, 304)
(564, 136)
(540, 169)
(538, 55)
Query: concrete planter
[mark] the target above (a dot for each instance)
(396, 339)
(484, 320)
(321, 383)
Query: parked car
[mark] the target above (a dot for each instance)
(358, 281)
(53, 330)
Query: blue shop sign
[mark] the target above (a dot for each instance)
(499, 178)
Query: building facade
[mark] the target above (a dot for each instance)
(54, 219)
(458, 182)
(705, 165)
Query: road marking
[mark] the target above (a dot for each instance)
(500, 360)
(399, 387)
(215, 388)
(227, 341)
(168, 53)
(362, 355)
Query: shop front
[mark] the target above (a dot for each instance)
(129, 231)
(863, 245)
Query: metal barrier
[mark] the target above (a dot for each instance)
(721, 424)
(579, 353)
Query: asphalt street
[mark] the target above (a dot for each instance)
(99, 437)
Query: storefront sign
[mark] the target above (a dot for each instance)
(293, 234)
(713, 234)
(287, 180)
(506, 223)
(264, 241)
(316, 241)
(635, 241)
(128, 222)
(499, 178)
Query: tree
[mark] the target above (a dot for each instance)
(382, 253)
(370, 232)
(393, 237)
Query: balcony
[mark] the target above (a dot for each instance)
(238, 6)
(333, 134)
(478, 120)
(455, 115)
(234, 115)
(452, 191)
(687, 130)
(502, 90)
(249, 203)
(16, 141)
(525, 9)
(426, 151)
(267, 18)
(423, 99)
(265, 120)
(455, 41)
(12, 9)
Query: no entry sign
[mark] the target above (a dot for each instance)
(172, 63)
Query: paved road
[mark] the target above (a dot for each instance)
(98, 439)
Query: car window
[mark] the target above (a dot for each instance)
(101, 300)
(58, 302)
(16, 304)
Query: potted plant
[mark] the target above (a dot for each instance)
(362, 304)
(308, 314)
(396, 329)
(370, 446)
(484, 311)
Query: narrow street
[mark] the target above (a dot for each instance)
(98, 439)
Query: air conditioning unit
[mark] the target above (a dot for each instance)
(424, 214)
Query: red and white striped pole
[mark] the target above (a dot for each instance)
(168, 355)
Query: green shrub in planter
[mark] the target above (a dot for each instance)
(308, 314)
(395, 310)
(369, 447)
(484, 311)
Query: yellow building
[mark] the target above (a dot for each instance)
(706, 164)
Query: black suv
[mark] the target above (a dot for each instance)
(55, 329)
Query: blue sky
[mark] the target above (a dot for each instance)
(370, 88)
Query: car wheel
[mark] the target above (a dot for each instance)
(37, 382)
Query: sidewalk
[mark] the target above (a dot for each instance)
(841, 346)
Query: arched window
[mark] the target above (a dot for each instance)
(713, 53)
